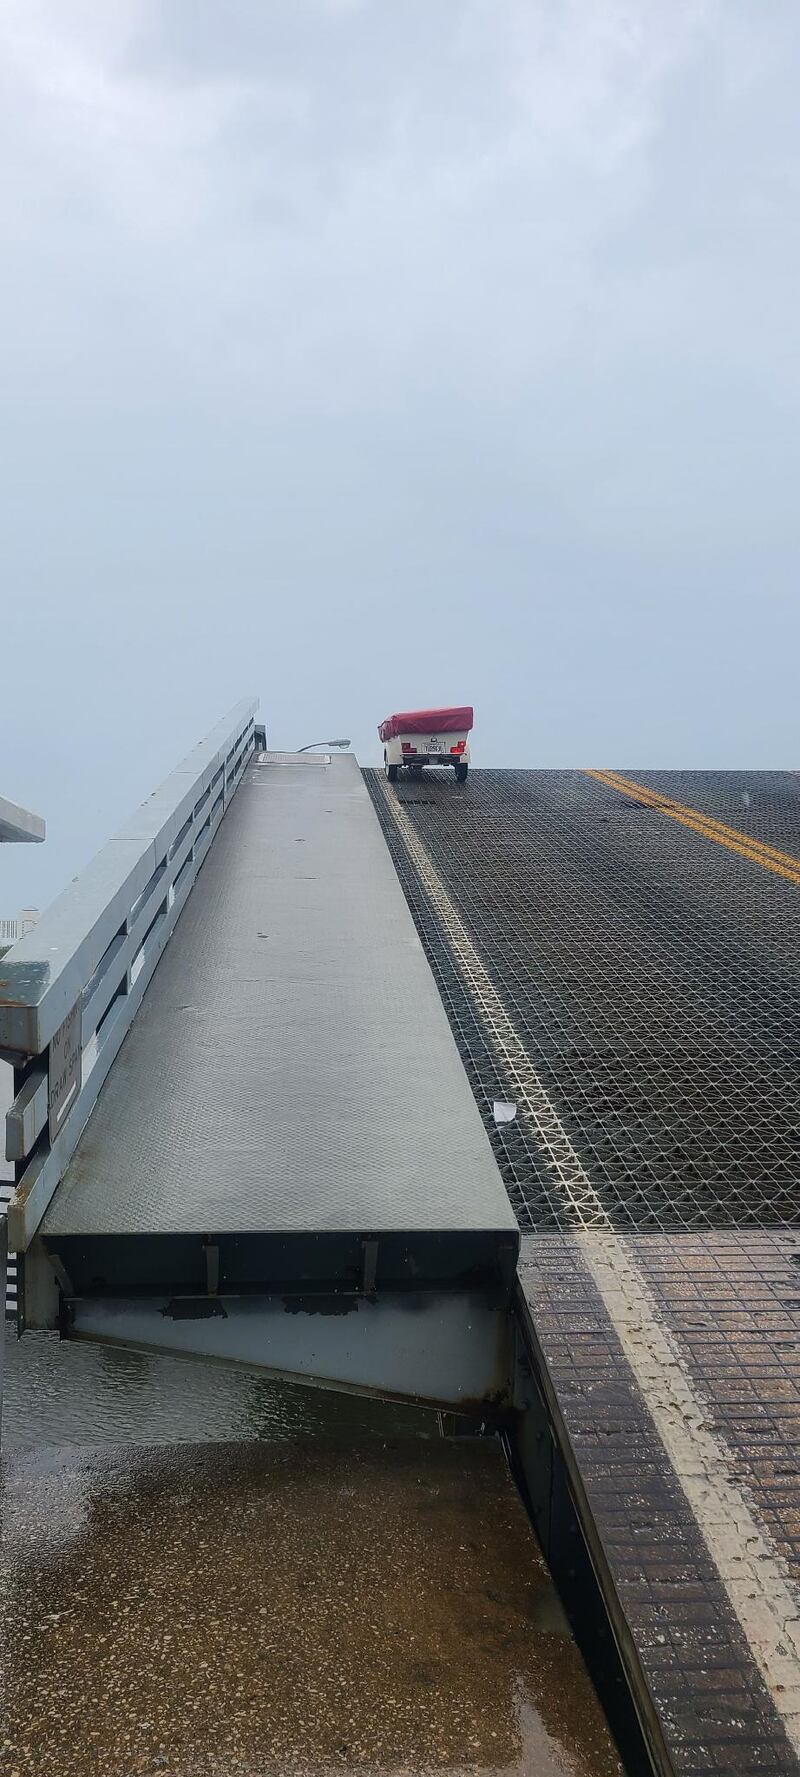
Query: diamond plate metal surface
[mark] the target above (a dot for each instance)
(292, 1066)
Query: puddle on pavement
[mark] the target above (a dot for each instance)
(239, 1610)
(310, 1583)
(71, 1393)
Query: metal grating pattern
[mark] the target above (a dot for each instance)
(653, 976)
(763, 805)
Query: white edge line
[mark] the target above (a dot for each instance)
(753, 1574)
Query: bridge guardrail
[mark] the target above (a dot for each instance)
(70, 989)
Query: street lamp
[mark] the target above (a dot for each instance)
(323, 743)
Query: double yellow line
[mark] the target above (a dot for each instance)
(780, 862)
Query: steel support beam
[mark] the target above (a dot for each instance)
(445, 1350)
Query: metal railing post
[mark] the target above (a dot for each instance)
(70, 989)
(3, 1275)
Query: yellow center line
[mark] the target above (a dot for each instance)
(645, 793)
(779, 862)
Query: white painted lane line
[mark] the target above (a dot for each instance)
(753, 1574)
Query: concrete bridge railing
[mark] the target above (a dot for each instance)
(70, 989)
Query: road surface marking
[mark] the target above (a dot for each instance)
(780, 862)
(753, 1574)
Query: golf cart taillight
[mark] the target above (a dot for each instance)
(407, 747)
(460, 747)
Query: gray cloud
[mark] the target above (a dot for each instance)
(363, 353)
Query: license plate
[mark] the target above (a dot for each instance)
(433, 746)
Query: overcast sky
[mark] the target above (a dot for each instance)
(367, 353)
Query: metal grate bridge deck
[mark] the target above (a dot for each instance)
(654, 976)
(618, 955)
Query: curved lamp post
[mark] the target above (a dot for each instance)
(323, 743)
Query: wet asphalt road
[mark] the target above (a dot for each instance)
(243, 1609)
(310, 1584)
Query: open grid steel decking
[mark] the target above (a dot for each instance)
(653, 974)
(619, 954)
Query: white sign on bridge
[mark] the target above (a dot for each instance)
(65, 1069)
